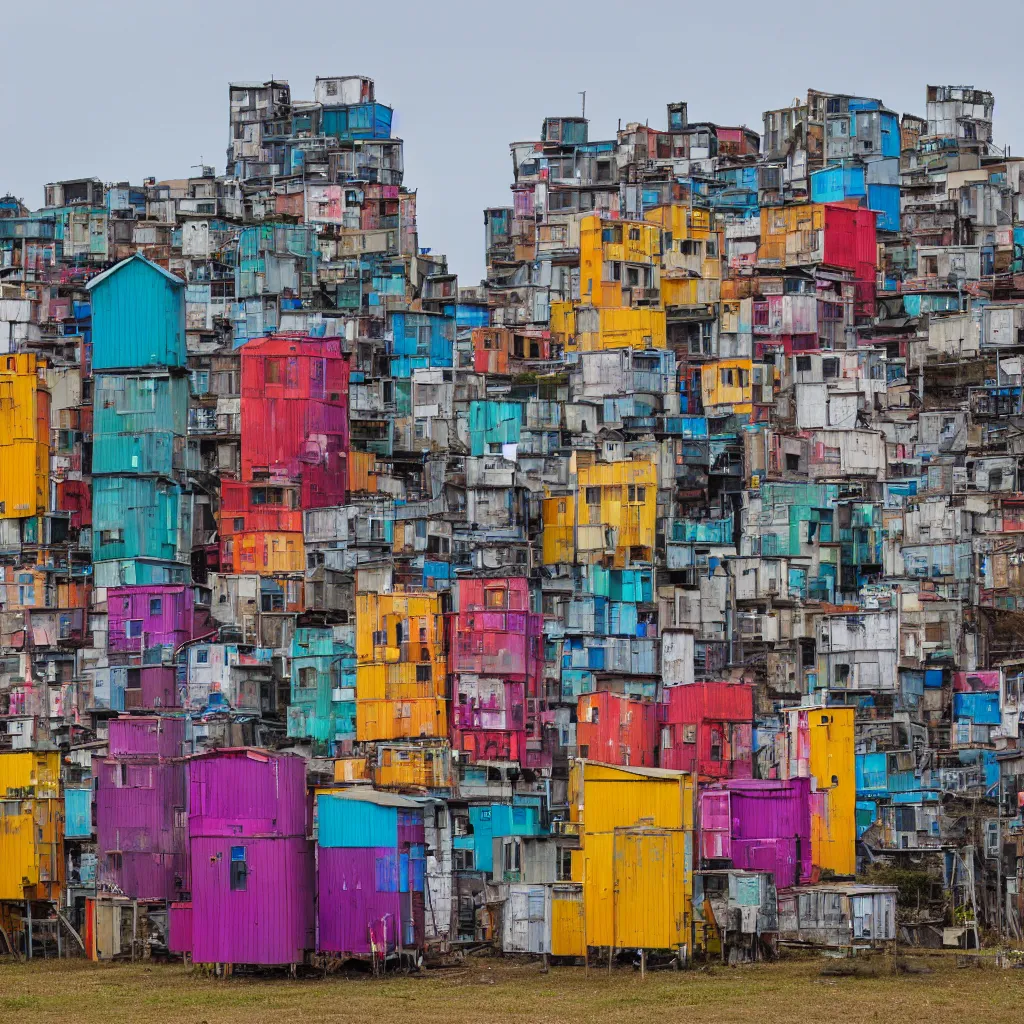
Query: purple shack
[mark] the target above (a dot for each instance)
(150, 617)
(252, 860)
(371, 855)
(146, 626)
(759, 825)
(141, 839)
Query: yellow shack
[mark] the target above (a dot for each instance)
(31, 825)
(635, 861)
(820, 746)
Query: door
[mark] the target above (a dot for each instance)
(716, 821)
(537, 923)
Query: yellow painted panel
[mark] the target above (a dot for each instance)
(30, 774)
(350, 769)
(31, 825)
(832, 764)
(728, 382)
(563, 323)
(557, 539)
(269, 553)
(404, 765)
(641, 327)
(567, 936)
(679, 291)
(18, 866)
(24, 436)
(391, 720)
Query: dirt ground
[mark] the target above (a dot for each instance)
(807, 989)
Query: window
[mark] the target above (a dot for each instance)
(830, 367)
(593, 495)
(133, 629)
(716, 744)
(803, 364)
(424, 673)
(202, 656)
(495, 598)
(156, 606)
(239, 871)
(512, 856)
(273, 371)
(564, 868)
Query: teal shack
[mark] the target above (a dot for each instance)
(138, 311)
(323, 689)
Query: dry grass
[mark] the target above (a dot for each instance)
(492, 991)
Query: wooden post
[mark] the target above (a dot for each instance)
(28, 921)
(643, 964)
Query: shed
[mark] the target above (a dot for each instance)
(370, 862)
(839, 914)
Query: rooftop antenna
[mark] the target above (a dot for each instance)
(583, 93)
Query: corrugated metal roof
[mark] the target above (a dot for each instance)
(100, 278)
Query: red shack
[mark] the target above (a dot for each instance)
(708, 729)
(617, 729)
(295, 417)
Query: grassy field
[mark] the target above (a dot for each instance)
(495, 991)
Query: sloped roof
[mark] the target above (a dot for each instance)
(99, 278)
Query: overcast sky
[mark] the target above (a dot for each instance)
(122, 91)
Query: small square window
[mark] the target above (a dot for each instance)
(202, 656)
(133, 629)
(156, 606)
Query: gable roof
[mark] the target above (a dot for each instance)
(99, 278)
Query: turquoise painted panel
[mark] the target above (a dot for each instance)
(354, 823)
(77, 813)
(139, 517)
(493, 423)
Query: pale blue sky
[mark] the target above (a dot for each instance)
(124, 90)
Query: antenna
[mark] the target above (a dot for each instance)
(583, 93)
